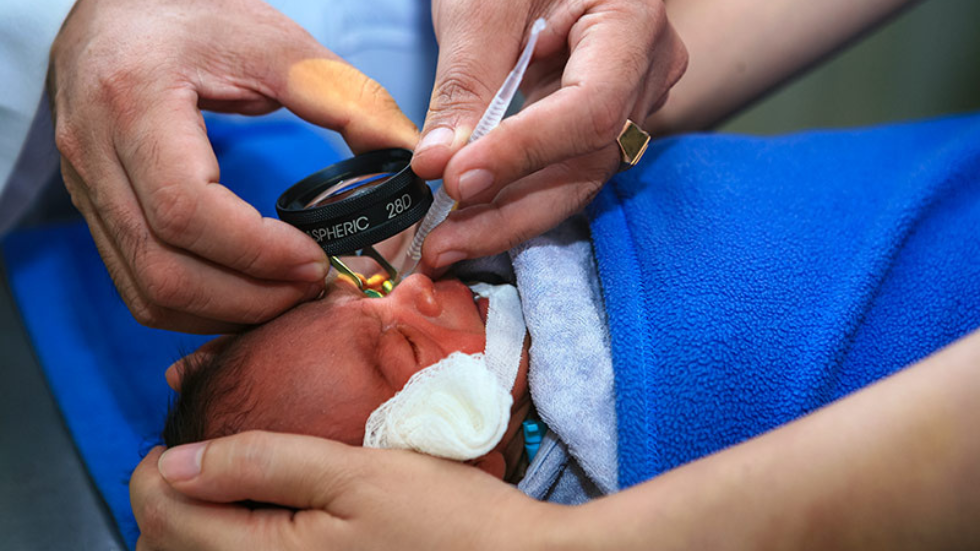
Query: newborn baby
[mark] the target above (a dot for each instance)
(322, 368)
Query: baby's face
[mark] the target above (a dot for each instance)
(322, 368)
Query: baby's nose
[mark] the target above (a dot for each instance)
(419, 291)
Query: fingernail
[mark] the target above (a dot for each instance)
(439, 136)
(182, 463)
(313, 271)
(473, 182)
(449, 257)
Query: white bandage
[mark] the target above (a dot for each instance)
(459, 407)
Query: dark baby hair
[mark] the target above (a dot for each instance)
(213, 400)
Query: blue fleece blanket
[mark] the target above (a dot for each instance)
(104, 369)
(750, 281)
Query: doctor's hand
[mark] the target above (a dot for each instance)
(127, 83)
(333, 496)
(597, 64)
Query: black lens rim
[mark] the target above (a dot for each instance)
(328, 224)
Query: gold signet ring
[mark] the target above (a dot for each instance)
(633, 142)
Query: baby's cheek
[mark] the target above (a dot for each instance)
(344, 421)
(472, 344)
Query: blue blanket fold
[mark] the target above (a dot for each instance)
(750, 281)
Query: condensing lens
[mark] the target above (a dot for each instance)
(353, 204)
(348, 187)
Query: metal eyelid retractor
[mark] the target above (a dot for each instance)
(352, 205)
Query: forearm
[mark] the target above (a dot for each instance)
(739, 49)
(895, 466)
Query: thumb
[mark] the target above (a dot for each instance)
(467, 77)
(296, 471)
(325, 90)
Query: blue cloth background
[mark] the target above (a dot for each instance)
(104, 369)
(750, 281)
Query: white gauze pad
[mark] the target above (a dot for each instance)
(459, 407)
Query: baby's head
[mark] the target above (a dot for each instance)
(322, 368)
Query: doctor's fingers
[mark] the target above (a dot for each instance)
(347, 497)
(522, 210)
(479, 43)
(290, 470)
(130, 80)
(169, 520)
(545, 78)
(605, 80)
(167, 159)
(153, 142)
(167, 288)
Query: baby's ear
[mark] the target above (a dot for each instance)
(208, 350)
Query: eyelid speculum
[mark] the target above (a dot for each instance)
(375, 286)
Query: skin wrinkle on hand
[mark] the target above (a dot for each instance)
(360, 107)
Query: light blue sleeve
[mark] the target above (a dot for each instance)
(27, 29)
(391, 41)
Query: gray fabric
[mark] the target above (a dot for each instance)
(548, 465)
(36, 168)
(27, 29)
(571, 375)
(554, 476)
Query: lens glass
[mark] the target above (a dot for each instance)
(349, 187)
